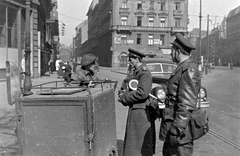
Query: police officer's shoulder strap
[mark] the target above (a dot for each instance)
(185, 67)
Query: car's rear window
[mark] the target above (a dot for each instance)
(168, 68)
(156, 68)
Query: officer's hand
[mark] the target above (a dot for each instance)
(121, 99)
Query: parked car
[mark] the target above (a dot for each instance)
(161, 70)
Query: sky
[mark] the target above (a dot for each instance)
(73, 12)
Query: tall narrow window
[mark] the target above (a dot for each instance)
(162, 21)
(162, 39)
(151, 5)
(124, 4)
(124, 38)
(162, 6)
(150, 39)
(124, 20)
(177, 22)
(139, 5)
(177, 5)
(150, 22)
(139, 21)
(139, 38)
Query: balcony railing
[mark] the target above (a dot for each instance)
(177, 13)
(122, 27)
(148, 28)
(123, 9)
(178, 29)
(163, 13)
(143, 28)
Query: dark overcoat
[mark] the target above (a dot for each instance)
(140, 129)
(183, 88)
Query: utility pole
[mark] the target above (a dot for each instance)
(200, 34)
(27, 81)
(199, 57)
(208, 51)
(206, 64)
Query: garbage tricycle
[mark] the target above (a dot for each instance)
(65, 121)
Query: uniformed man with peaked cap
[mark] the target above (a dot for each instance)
(87, 70)
(183, 43)
(182, 93)
(140, 129)
(135, 53)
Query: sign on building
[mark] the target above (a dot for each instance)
(117, 39)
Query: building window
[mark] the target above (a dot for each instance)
(150, 39)
(139, 5)
(150, 22)
(177, 22)
(124, 38)
(177, 5)
(124, 4)
(139, 21)
(162, 21)
(151, 5)
(162, 39)
(8, 27)
(162, 6)
(139, 38)
(124, 20)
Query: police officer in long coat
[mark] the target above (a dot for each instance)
(182, 93)
(140, 129)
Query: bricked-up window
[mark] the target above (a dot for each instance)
(162, 39)
(139, 21)
(162, 21)
(151, 5)
(150, 22)
(177, 22)
(150, 39)
(162, 6)
(124, 4)
(139, 38)
(124, 20)
(124, 38)
(177, 6)
(139, 5)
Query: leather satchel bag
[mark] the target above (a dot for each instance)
(199, 123)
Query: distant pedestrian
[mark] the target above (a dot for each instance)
(23, 63)
(51, 66)
(57, 64)
(23, 66)
(68, 72)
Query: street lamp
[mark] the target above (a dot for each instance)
(27, 85)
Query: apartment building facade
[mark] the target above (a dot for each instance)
(43, 33)
(233, 25)
(80, 37)
(146, 25)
